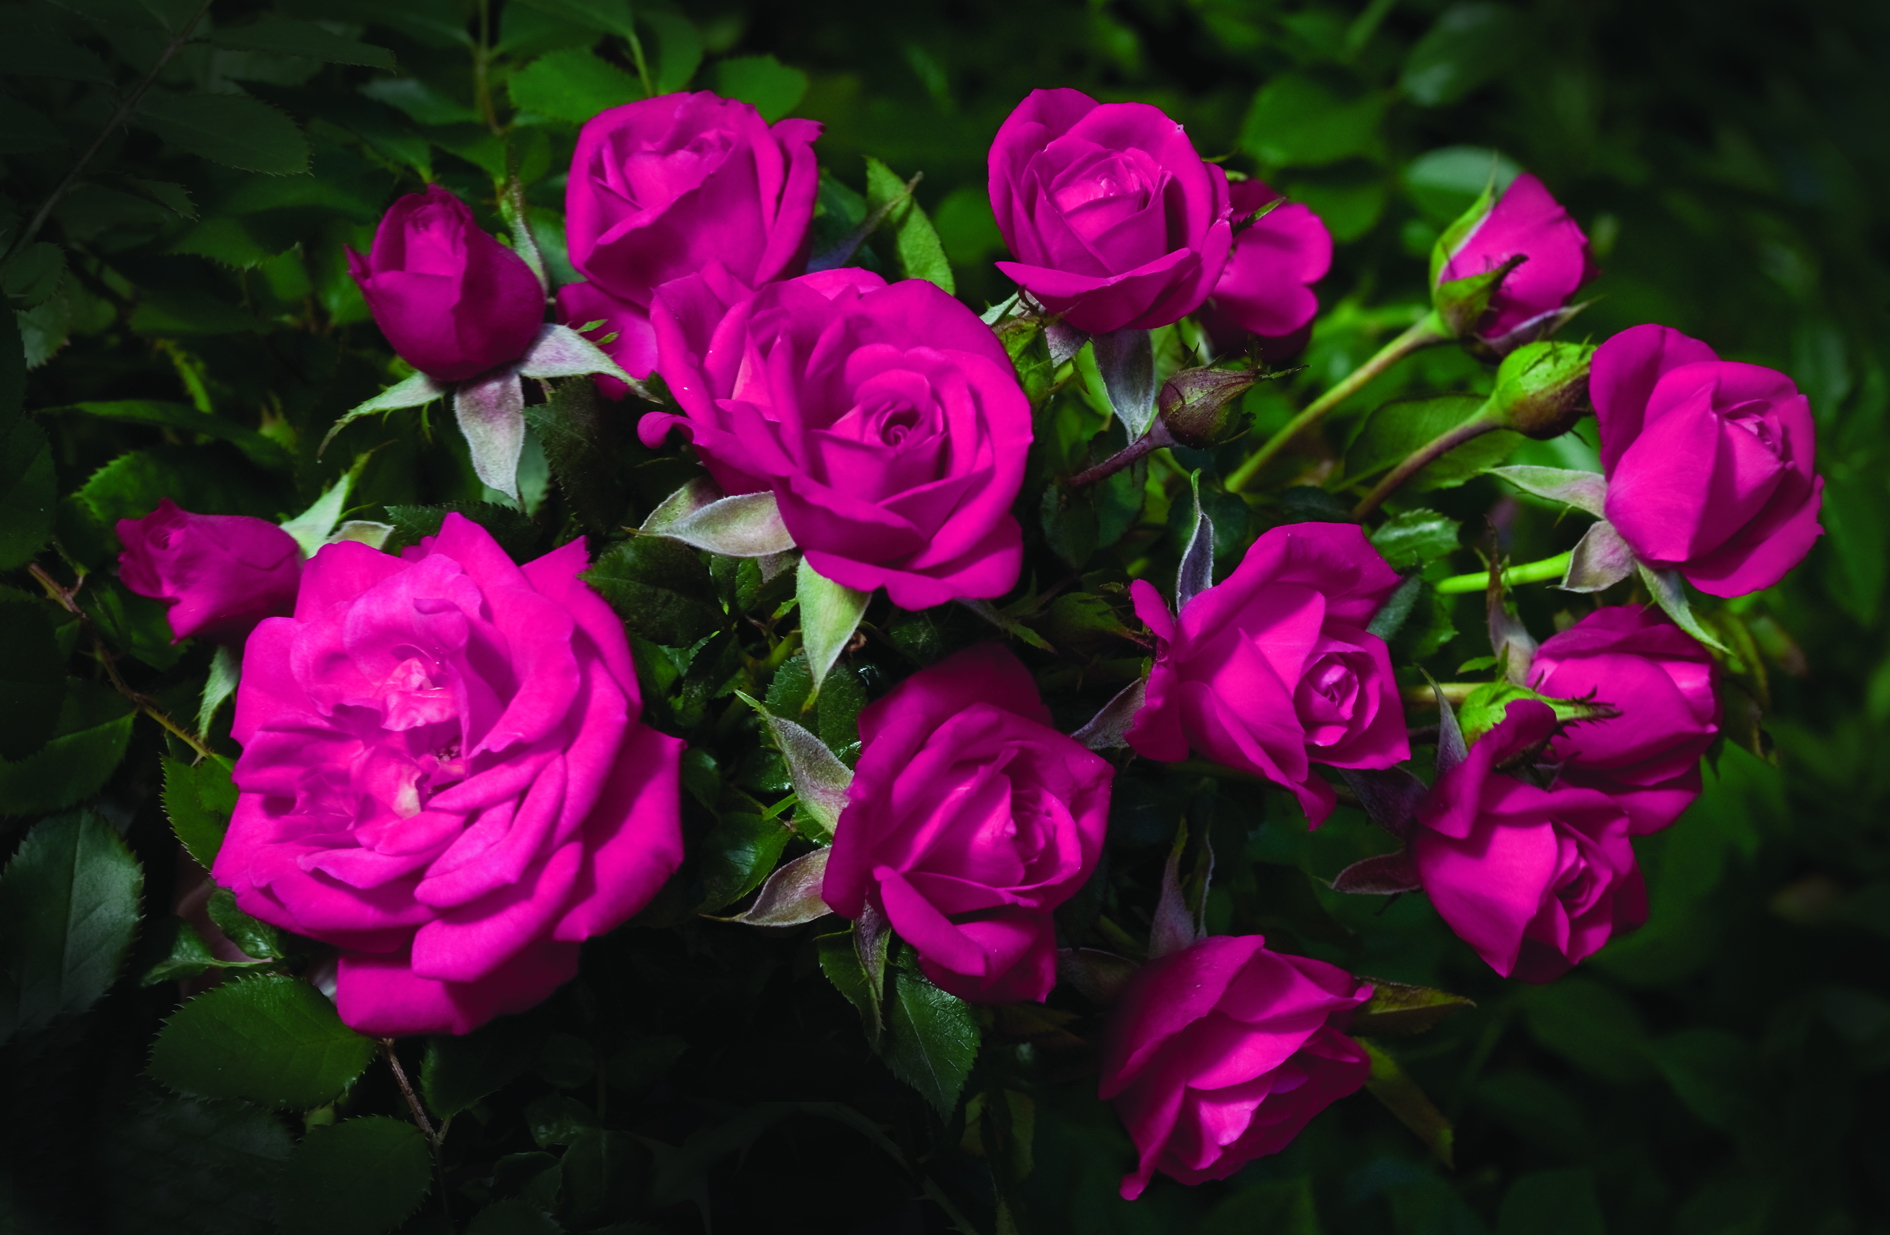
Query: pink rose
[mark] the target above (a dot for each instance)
(444, 775)
(1272, 670)
(1220, 1053)
(451, 300)
(1266, 287)
(1526, 222)
(220, 574)
(1648, 758)
(887, 420)
(969, 819)
(1534, 879)
(664, 186)
(1115, 221)
(1708, 461)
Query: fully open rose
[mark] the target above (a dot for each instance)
(444, 775)
(969, 819)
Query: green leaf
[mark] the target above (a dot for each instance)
(516, 533)
(68, 910)
(181, 953)
(571, 85)
(182, 1167)
(27, 493)
(133, 624)
(1591, 1026)
(773, 88)
(12, 387)
(1274, 1206)
(459, 1071)
(303, 38)
(791, 895)
(173, 197)
(257, 939)
(830, 613)
(610, 16)
(931, 1039)
(25, 130)
(1552, 1203)
(1713, 1072)
(840, 962)
(34, 273)
(419, 100)
(263, 452)
(678, 46)
(1444, 183)
(578, 440)
(268, 1039)
(1415, 538)
(363, 1176)
(1301, 121)
(660, 588)
(516, 1216)
(232, 129)
(1470, 44)
(28, 52)
(131, 486)
(1400, 427)
(738, 853)
(915, 242)
(1391, 1085)
(199, 799)
(1398, 1008)
(32, 675)
(90, 738)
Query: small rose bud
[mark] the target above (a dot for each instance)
(220, 574)
(1504, 273)
(1542, 388)
(1198, 405)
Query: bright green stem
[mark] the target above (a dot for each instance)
(1423, 456)
(1427, 331)
(1529, 572)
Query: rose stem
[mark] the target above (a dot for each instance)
(1156, 438)
(144, 703)
(1415, 462)
(1427, 331)
(1528, 572)
(1453, 692)
(420, 1118)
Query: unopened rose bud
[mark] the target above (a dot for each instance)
(1198, 405)
(1504, 273)
(1542, 388)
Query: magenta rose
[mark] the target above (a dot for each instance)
(968, 821)
(1266, 288)
(662, 187)
(444, 775)
(1220, 1053)
(886, 419)
(1527, 222)
(1272, 670)
(451, 300)
(219, 574)
(1708, 461)
(1115, 221)
(1648, 758)
(1534, 879)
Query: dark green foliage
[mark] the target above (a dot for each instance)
(358, 1175)
(267, 1039)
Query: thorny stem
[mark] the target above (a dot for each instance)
(1415, 462)
(1527, 572)
(1156, 438)
(422, 1122)
(144, 703)
(126, 106)
(1424, 333)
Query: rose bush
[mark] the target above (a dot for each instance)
(660, 188)
(1534, 879)
(444, 774)
(1661, 679)
(1266, 287)
(1525, 221)
(451, 300)
(968, 820)
(1221, 1052)
(219, 575)
(1709, 461)
(1115, 220)
(1272, 670)
(887, 419)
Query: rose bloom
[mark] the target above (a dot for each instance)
(1266, 288)
(968, 821)
(452, 300)
(1648, 758)
(886, 419)
(1525, 220)
(1534, 879)
(219, 574)
(660, 188)
(1220, 1053)
(1115, 221)
(1272, 670)
(1708, 461)
(444, 775)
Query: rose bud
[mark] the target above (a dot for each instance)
(1709, 462)
(1660, 679)
(968, 821)
(886, 419)
(445, 775)
(452, 300)
(1199, 407)
(1221, 1052)
(1265, 291)
(1272, 670)
(1542, 388)
(1534, 879)
(660, 188)
(1546, 255)
(1115, 220)
(220, 574)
